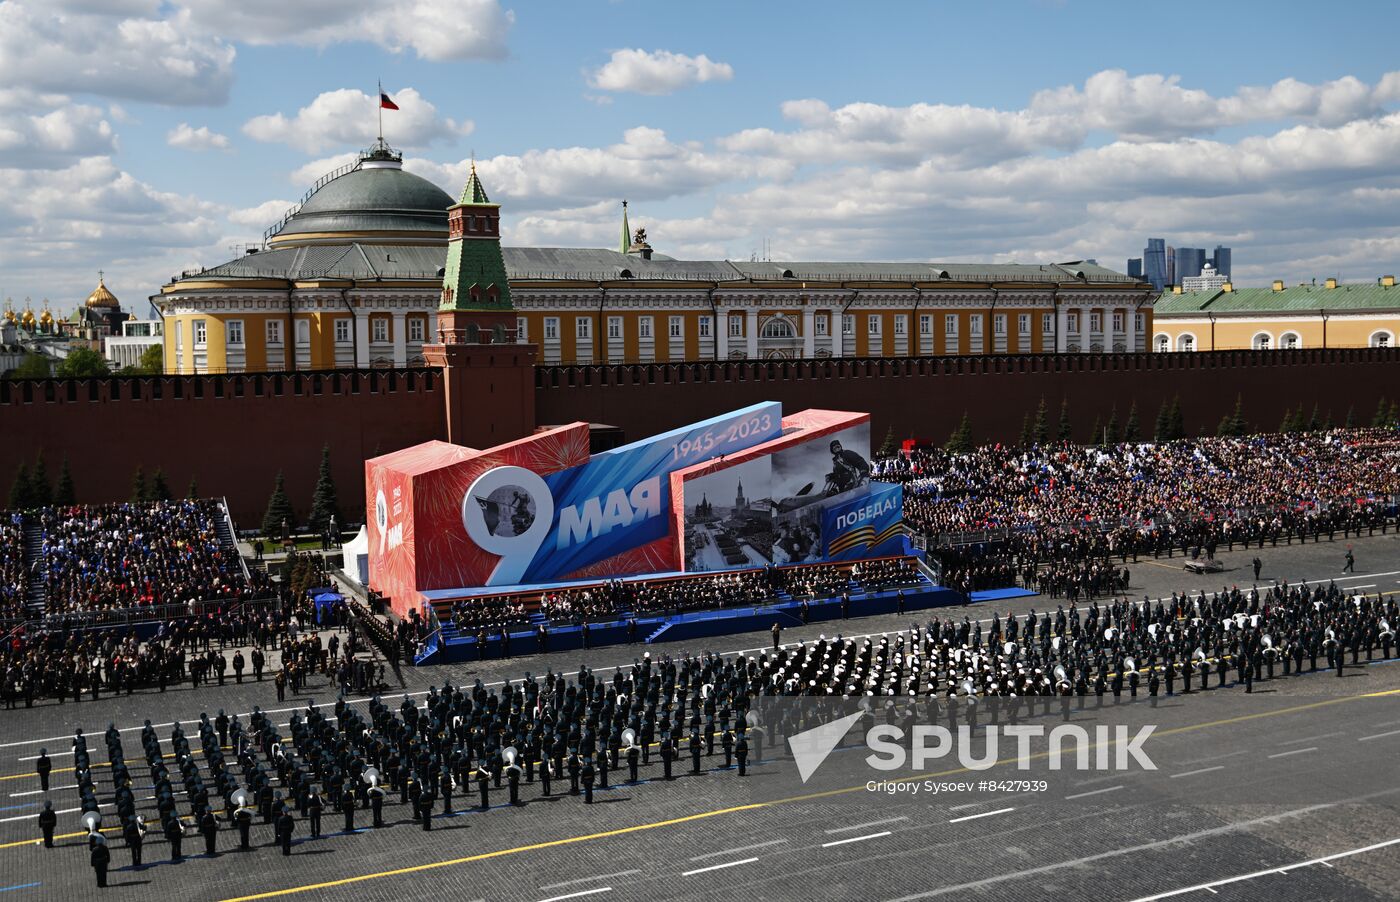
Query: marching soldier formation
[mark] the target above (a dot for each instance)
(530, 732)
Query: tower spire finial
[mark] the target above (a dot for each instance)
(626, 232)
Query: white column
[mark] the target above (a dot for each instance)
(400, 327)
(1083, 330)
(751, 333)
(1061, 329)
(362, 339)
(809, 332)
(722, 334)
(1108, 330)
(1130, 329)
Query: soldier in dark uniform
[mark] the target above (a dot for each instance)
(286, 824)
(100, 857)
(588, 775)
(483, 784)
(243, 819)
(42, 767)
(376, 804)
(209, 826)
(727, 743)
(347, 806)
(633, 755)
(47, 822)
(134, 834)
(314, 807)
(668, 752)
(694, 750)
(445, 784)
(546, 769)
(741, 753)
(175, 835)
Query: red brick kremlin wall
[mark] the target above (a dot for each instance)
(234, 432)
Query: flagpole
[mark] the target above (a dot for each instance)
(379, 103)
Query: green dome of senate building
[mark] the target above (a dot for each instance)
(374, 199)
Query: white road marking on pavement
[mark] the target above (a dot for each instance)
(587, 879)
(716, 867)
(968, 805)
(888, 820)
(35, 792)
(1210, 887)
(1116, 853)
(1192, 773)
(30, 817)
(973, 817)
(1294, 752)
(1318, 736)
(762, 845)
(1080, 795)
(584, 892)
(54, 755)
(1379, 736)
(842, 842)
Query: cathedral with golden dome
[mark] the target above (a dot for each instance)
(354, 277)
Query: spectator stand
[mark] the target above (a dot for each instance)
(789, 596)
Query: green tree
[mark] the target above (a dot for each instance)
(1392, 419)
(1040, 429)
(1096, 434)
(1351, 418)
(1111, 432)
(193, 490)
(152, 362)
(887, 449)
(82, 362)
(1161, 430)
(1382, 413)
(278, 510)
(66, 494)
(160, 489)
(1315, 421)
(139, 491)
(1025, 439)
(1132, 431)
(21, 492)
(323, 501)
(33, 366)
(1176, 423)
(40, 489)
(961, 439)
(1066, 431)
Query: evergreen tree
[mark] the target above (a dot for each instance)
(1351, 418)
(1111, 434)
(1226, 427)
(1132, 432)
(1393, 418)
(961, 439)
(1066, 430)
(1382, 412)
(324, 504)
(1025, 440)
(278, 509)
(1176, 424)
(160, 490)
(66, 494)
(139, 492)
(1161, 430)
(1096, 436)
(887, 449)
(1314, 421)
(21, 493)
(1238, 426)
(1288, 421)
(1040, 429)
(40, 489)
(193, 490)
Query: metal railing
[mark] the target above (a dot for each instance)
(108, 617)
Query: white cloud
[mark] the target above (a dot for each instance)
(260, 216)
(348, 116)
(31, 138)
(186, 137)
(134, 51)
(437, 30)
(306, 174)
(656, 72)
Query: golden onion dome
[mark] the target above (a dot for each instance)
(46, 318)
(101, 296)
(28, 319)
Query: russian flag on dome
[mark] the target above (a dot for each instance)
(386, 102)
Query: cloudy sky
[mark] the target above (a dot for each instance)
(145, 137)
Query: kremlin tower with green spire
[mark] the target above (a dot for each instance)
(475, 306)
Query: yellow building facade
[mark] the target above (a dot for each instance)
(1329, 314)
(353, 277)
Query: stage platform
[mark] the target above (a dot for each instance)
(1003, 594)
(656, 628)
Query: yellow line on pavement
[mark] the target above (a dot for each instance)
(500, 853)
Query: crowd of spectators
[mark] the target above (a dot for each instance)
(14, 580)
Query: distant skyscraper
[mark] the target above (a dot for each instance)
(1221, 260)
(1171, 266)
(1154, 262)
(1135, 267)
(1189, 263)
